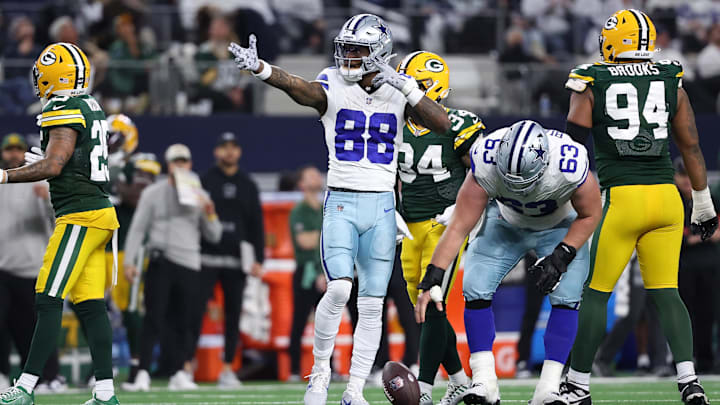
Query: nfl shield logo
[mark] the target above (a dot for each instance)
(368, 100)
(340, 207)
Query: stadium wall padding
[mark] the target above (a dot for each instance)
(272, 144)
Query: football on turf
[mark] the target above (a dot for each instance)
(400, 385)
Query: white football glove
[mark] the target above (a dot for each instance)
(436, 293)
(402, 229)
(33, 155)
(246, 58)
(703, 220)
(444, 218)
(388, 75)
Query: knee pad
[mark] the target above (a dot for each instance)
(370, 307)
(478, 304)
(338, 292)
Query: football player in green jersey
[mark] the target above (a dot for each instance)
(632, 106)
(432, 167)
(74, 161)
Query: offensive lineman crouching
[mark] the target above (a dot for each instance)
(529, 179)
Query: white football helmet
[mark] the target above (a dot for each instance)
(366, 30)
(523, 156)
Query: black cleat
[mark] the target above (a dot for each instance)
(693, 393)
(574, 395)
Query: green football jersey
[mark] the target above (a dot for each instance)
(430, 165)
(634, 104)
(81, 186)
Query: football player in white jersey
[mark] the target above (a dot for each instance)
(363, 103)
(538, 193)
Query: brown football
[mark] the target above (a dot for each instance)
(400, 385)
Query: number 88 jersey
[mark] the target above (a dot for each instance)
(548, 202)
(634, 104)
(363, 132)
(81, 186)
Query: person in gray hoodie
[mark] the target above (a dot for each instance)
(171, 231)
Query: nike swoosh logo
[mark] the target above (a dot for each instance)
(387, 210)
(57, 107)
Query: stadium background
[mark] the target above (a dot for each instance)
(508, 60)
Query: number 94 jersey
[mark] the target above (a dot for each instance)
(81, 186)
(548, 203)
(634, 104)
(363, 132)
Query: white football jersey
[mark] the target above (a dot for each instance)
(548, 202)
(363, 133)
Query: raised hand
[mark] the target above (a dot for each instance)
(246, 58)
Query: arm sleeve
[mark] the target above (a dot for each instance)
(255, 231)
(138, 227)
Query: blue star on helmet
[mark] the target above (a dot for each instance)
(539, 152)
(382, 28)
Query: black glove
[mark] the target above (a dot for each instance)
(433, 276)
(549, 269)
(705, 229)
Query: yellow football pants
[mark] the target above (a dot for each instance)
(648, 218)
(416, 255)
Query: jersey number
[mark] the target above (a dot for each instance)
(429, 164)
(654, 111)
(350, 145)
(99, 154)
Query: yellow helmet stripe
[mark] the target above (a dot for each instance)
(644, 30)
(406, 62)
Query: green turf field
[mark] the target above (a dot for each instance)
(605, 391)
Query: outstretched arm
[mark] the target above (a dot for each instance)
(60, 148)
(305, 93)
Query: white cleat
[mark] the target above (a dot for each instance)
(454, 394)
(141, 383)
(181, 381)
(425, 399)
(550, 398)
(480, 394)
(228, 381)
(4, 381)
(352, 397)
(317, 389)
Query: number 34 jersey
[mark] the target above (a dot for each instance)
(546, 204)
(81, 186)
(634, 104)
(363, 132)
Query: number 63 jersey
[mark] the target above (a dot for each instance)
(363, 132)
(548, 202)
(634, 104)
(81, 186)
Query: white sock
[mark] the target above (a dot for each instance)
(582, 380)
(425, 388)
(483, 368)
(643, 360)
(322, 364)
(104, 389)
(685, 372)
(366, 339)
(356, 384)
(458, 378)
(328, 316)
(549, 378)
(27, 381)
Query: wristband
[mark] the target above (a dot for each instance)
(3, 176)
(565, 252)
(265, 72)
(702, 200)
(414, 96)
(433, 276)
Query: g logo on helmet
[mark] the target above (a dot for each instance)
(611, 23)
(434, 65)
(48, 58)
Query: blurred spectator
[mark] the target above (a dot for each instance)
(514, 59)
(27, 219)
(552, 19)
(172, 215)
(128, 77)
(708, 61)
(63, 29)
(220, 79)
(698, 278)
(303, 25)
(238, 206)
(668, 49)
(308, 280)
(21, 46)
